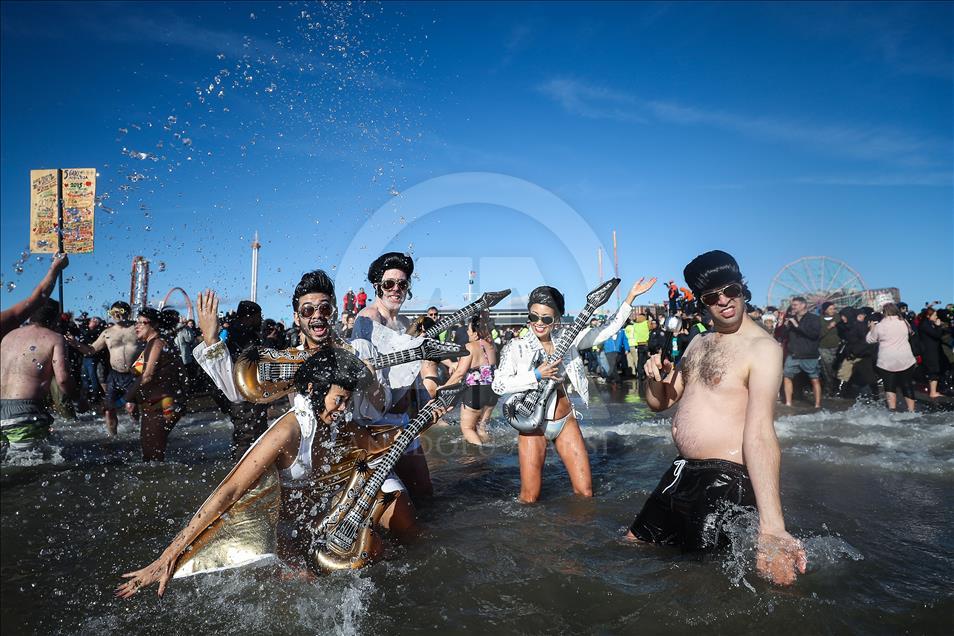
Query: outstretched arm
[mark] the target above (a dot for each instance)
(591, 337)
(263, 454)
(779, 554)
(11, 318)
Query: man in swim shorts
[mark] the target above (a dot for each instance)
(30, 357)
(726, 385)
(123, 347)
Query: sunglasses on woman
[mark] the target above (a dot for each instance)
(324, 309)
(732, 290)
(547, 320)
(390, 283)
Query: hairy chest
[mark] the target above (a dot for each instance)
(713, 363)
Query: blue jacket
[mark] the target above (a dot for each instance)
(617, 344)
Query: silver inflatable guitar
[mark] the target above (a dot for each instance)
(526, 411)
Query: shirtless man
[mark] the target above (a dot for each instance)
(30, 357)
(390, 274)
(123, 347)
(726, 385)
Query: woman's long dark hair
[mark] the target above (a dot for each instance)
(330, 366)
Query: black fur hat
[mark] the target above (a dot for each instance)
(713, 270)
(390, 260)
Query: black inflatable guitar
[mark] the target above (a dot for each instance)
(347, 531)
(486, 301)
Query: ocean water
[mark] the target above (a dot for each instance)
(871, 495)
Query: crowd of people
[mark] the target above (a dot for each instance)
(152, 364)
(844, 352)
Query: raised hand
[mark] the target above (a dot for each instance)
(60, 261)
(639, 288)
(207, 309)
(779, 557)
(657, 368)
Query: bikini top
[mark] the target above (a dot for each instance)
(140, 364)
(300, 473)
(482, 375)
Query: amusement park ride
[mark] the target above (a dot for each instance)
(822, 279)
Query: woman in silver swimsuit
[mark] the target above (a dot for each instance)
(522, 367)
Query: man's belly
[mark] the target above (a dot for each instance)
(709, 426)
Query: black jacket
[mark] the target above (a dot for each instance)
(930, 337)
(803, 339)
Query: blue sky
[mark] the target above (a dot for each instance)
(508, 138)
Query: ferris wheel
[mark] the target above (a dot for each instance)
(818, 279)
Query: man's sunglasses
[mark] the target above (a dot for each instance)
(324, 309)
(390, 283)
(547, 320)
(732, 290)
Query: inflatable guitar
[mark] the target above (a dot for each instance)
(347, 531)
(526, 411)
(486, 301)
(263, 375)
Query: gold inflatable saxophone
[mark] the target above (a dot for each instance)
(263, 375)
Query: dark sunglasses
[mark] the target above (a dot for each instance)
(390, 283)
(732, 290)
(324, 309)
(547, 320)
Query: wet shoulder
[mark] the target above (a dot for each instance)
(287, 431)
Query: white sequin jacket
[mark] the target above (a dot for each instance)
(521, 356)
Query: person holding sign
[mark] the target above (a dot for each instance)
(13, 317)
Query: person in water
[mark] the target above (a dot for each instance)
(157, 387)
(522, 367)
(390, 274)
(32, 357)
(476, 370)
(726, 385)
(314, 307)
(122, 344)
(297, 445)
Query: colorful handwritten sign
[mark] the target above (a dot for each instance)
(43, 211)
(79, 205)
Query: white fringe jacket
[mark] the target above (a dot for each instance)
(521, 356)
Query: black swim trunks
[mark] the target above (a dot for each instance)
(478, 396)
(688, 508)
(116, 386)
